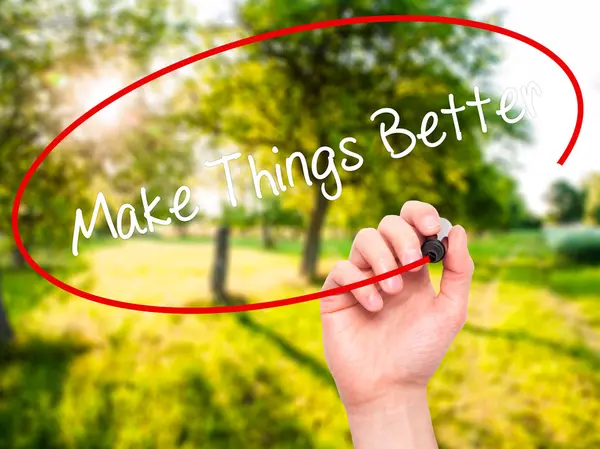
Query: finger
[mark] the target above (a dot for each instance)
(370, 250)
(345, 273)
(422, 216)
(403, 238)
(458, 271)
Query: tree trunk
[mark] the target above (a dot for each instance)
(17, 258)
(267, 235)
(6, 333)
(182, 231)
(219, 275)
(312, 244)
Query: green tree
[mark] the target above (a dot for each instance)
(566, 202)
(38, 45)
(23, 124)
(307, 90)
(273, 215)
(592, 198)
(154, 156)
(494, 202)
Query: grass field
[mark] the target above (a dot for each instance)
(524, 373)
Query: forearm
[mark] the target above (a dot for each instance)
(400, 421)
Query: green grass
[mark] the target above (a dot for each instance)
(524, 373)
(335, 247)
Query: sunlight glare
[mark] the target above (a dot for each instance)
(89, 90)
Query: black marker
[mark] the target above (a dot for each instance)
(433, 246)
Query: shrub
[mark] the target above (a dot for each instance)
(581, 245)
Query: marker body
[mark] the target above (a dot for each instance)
(433, 247)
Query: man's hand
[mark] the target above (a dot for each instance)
(383, 342)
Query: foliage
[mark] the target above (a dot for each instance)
(23, 125)
(578, 244)
(566, 202)
(40, 43)
(592, 199)
(239, 217)
(581, 248)
(275, 214)
(307, 90)
(153, 156)
(270, 213)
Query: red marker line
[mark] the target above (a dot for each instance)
(240, 43)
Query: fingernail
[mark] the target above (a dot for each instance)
(375, 302)
(430, 222)
(411, 256)
(393, 283)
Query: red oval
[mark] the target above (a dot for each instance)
(230, 46)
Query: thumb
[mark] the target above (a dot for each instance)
(457, 274)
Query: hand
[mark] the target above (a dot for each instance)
(384, 342)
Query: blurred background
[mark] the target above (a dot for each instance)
(525, 371)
